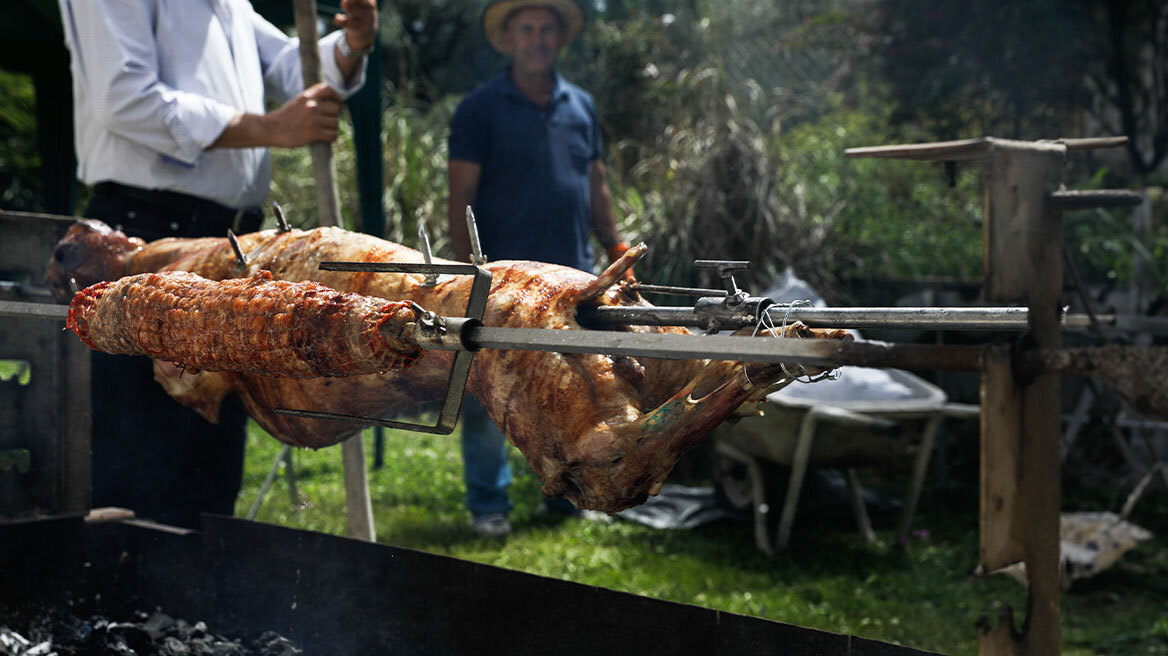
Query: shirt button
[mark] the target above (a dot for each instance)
(174, 226)
(131, 214)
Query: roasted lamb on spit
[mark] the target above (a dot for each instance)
(602, 431)
(255, 326)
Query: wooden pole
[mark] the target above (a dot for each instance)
(1020, 482)
(323, 168)
(358, 506)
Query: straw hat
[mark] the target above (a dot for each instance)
(496, 13)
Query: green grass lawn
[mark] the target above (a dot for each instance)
(922, 595)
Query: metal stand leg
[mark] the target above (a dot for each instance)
(290, 476)
(857, 495)
(1077, 420)
(285, 455)
(378, 447)
(920, 468)
(798, 471)
(759, 504)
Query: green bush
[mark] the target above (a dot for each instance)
(723, 182)
(706, 163)
(20, 181)
(872, 218)
(1105, 245)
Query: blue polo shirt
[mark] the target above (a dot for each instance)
(533, 199)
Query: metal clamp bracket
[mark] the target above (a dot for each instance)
(714, 317)
(433, 331)
(726, 270)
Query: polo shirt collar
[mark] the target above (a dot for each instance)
(559, 87)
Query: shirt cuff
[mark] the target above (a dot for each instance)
(331, 73)
(195, 122)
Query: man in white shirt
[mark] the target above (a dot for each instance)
(172, 134)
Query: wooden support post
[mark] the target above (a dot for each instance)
(1020, 483)
(358, 506)
(1020, 417)
(324, 170)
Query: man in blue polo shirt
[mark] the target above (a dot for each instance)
(525, 153)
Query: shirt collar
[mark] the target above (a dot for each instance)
(559, 87)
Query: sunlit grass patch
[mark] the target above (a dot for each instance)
(923, 595)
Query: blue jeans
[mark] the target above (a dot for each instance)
(485, 467)
(484, 460)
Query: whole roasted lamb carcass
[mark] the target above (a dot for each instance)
(602, 431)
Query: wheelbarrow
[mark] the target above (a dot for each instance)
(857, 420)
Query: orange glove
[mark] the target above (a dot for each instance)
(615, 252)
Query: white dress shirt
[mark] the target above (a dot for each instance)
(155, 82)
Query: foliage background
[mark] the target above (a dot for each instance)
(726, 125)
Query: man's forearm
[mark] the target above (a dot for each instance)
(603, 220)
(456, 225)
(309, 117)
(462, 182)
(604, 225)
(245, 131)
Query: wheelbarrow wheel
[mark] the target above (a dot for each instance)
(733, 487)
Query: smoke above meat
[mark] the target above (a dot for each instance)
(602, 431)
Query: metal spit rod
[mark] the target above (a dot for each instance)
(467, 335)
(732, 309)
(908, 318)
(820, 352)
(860, 318)
(34, 310)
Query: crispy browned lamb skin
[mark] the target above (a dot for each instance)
(602, 431)
(255, 325)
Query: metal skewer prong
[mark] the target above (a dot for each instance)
(476, 250)
(424, 237)
(240, 259)
(281, 223)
